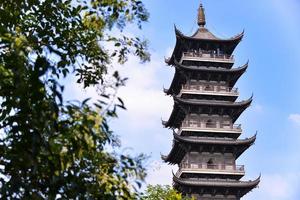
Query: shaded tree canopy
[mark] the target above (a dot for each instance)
(50, 148)
(160, 192)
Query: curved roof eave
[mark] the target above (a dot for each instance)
(167, 124)
(164, 123)
(247, 141)
(214, 103)
(163, 157)
(208, 183)
(174, 157)
(241, 69)
(167, 91)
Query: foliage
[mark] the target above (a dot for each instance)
(159, 192)
(52, 149)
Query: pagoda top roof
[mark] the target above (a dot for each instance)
(202, 37)
(217, 183)
(203, 34)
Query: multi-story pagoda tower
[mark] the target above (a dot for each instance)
(206, 144)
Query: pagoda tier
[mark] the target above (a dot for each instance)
(183, 107)
(223, 77)
(184, 144)
(203, 41)
(214, 189)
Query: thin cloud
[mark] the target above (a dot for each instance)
(160, 173)
(143, 94)
(277, 187)
(295, 118)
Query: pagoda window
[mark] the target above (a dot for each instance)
(226, 124)
(193, 123)
(194, 85)
(229, 159)
(193, 159)
(211, 124)
(193, 120)
(223, 88)
(210, 164)
(209, 88)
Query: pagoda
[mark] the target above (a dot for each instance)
(206, 145)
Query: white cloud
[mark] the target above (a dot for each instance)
(276, 186)
(160, 173)
(145, 106)
(295, 118)
(140, 125)
(143, 93)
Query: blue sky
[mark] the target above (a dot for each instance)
(272, 45)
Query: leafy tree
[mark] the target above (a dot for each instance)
(159, 192)
(50, 148)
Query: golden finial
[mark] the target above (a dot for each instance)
(201, 16)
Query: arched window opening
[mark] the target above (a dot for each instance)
(193, 120)
(210, 164)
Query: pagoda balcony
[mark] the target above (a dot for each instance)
(235, 128)
(205, 168)
(210, 90)
(206, 56)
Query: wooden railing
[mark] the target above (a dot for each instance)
(213, 127)
(208, 56)
(210, 167)
(211, 89)
(239, 168)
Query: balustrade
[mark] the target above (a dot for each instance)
(207, 55)
(212, 127)
(190, 88)
(227, 167)
(213, 167)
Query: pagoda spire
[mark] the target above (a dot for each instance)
(201, 16)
